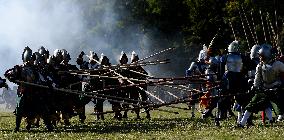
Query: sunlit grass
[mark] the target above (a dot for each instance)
(163, 125)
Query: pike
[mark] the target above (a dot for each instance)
(158, 53)
(111, 77)
(232, 28)
(166, 61)
(133, 83)
(79, 93)
(276, 23)
(168, 111)
(212, 41)
(269, 32)
(163, 104)
(243, 25)
(141, 88)
(169, 93)
(262, 22)
(246, 18)
(272, 29)
(254, 28)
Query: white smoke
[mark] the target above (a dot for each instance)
(74, 25)
(34, 23)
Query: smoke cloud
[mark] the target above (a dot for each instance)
(74, 25)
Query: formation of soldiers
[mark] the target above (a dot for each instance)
(248, 83)
(46, 83)
(50, 88)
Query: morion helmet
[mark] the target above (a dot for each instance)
(254, 51)
(28, 55)
(123, 59)
(134, 57)
(265, 52)
(234, 47)
(93, 57)
(65, 55)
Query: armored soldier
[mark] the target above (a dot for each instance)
(90, 83)
(3, 83)
(28, 99)
(71, 82)
(234, 81)
(128, 92)
(142, 76)
(193, 70)
(268, 76)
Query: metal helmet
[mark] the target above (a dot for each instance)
(134, 57)
(65, 55)
(56, 52)
(104, 60)
(93, 57)
(254, 51)
(123, 59)
(27, 55)
(58, 57)
(43, 52)
(265, 52)
(39, 59)
(234, 47)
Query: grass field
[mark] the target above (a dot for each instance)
(163, 125)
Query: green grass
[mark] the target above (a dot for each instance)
(162, 126)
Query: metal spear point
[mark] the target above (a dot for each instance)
(158, 53)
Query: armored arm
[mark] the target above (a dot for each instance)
(258, 76)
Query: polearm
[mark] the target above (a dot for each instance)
(213, 39)
(276, 23)
(254, 28)
(160, 100)
(243, 25)
(155, 54)
(132, 83)
(185, 100)
(96, 96)
(169, 93)
(269, 31)
(166, 61)
(263, 27)
(231, 25)
(246, 18)
(272, 29)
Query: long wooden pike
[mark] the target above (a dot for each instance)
(232, 28)
(263, 27)
(254, 27)
(182, 100)
(246, 18)
(155, 54)
(166, 61)
(268, 30)
(133, 83)
(96, 96)
(169, 93)
(243, 25)
(272, 29)
(213, 39)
